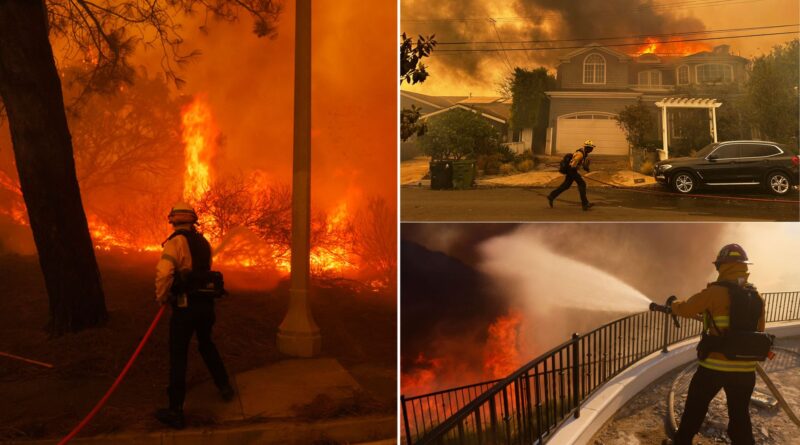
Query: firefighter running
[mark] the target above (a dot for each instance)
(569, 167)
(182, 280)
(732, 344)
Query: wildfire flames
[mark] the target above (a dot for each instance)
(198, 136)
(248, 224)
(655, 46)
(502, 350)
(502, 354)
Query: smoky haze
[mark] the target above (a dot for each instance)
(525, 20)
(570, 277)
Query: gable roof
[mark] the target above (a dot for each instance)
(435, 102)
(595, 47)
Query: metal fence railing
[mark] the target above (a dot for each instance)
(530, 404)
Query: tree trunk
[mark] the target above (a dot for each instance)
(31, 92)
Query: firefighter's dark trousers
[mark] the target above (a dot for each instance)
(572, 176)
(705, 385)
(197, 318)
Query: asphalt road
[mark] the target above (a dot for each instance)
(610, 204)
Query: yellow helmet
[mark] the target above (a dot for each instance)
(588, 143)
(182, 213)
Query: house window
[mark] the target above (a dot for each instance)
(683, 75)
(650, 78)
(516, 136)
(714, 73)
(594, 69)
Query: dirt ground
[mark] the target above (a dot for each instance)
(641, 421)
(358, 328)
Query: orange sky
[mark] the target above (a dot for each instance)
(491, 66)
(249, 85)
(248, 82)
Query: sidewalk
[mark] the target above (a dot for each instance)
(413, 171)
(292, 401)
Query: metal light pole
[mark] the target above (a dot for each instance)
(298, 335)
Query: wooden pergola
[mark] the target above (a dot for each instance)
(681, 102)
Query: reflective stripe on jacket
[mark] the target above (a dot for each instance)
(715, 300)
(175, 256)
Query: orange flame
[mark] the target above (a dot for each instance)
(502, 352)
(198, 136)
(334, 241)
(654, 46)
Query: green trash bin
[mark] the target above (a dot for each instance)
(463, 174)
(441, 175)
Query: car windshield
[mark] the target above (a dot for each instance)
(703, 152)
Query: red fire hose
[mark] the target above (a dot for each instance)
(116, 383)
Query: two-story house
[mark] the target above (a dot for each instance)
(595, 83)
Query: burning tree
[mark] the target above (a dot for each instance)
(376, 237)
(98, 34)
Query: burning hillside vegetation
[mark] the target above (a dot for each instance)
(245, 216)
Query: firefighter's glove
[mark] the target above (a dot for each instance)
(655, 307)
(586, 164)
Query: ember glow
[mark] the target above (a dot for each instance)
(655, 46)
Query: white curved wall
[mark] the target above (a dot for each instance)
(602, 405)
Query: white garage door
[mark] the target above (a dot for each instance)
(601, 128)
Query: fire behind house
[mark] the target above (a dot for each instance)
(547, 25)
(224, 143)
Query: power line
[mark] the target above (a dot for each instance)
(500, 41)
(465, 50)
(752, 28)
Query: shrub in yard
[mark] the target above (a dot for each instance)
(525, 165)
(646, 168)
(506, 168)
(506, 153)
(459, 134)
(490, 164)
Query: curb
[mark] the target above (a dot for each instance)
(598, 409)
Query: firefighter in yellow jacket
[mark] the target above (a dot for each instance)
(579, 159)
(186, 256)
(715, 371)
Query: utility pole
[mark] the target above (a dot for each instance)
(298, 334)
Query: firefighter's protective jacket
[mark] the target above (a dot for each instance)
(176, 256)
(716, 301)
(577, 159)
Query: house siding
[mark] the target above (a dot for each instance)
(570, 74)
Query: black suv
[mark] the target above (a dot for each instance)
(732, 163)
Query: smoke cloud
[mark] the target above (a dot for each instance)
(527, 20)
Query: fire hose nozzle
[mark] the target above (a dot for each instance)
(667, 309)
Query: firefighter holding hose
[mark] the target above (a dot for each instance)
(732, 343)
(184, 280)
(570, 165)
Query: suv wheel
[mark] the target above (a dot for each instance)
(683, 182)
(778, 183)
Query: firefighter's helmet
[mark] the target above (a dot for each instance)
(732, 253)
(588, 143)
(182, 213)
